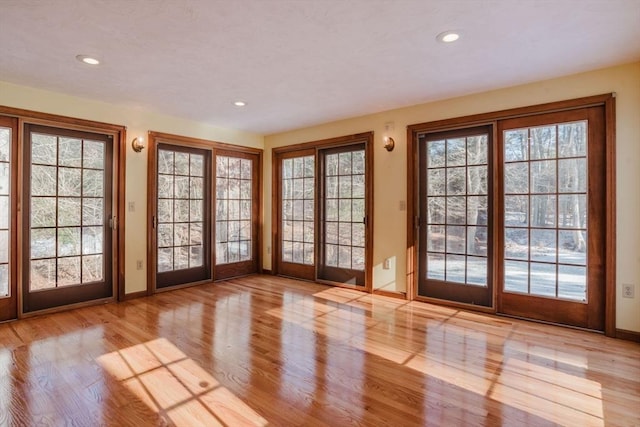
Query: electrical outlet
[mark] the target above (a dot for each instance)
(628, 291)
(139, 264)
(386, 264)
(269, 250)
(403, 205)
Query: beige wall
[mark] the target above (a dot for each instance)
(138, 123)
(390, 169)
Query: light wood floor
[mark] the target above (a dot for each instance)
(270, 351)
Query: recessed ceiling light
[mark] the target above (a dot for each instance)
(87, 59)
(448, 36)
(239, 103)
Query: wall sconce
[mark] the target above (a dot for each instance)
(137, 144)
(389, 143)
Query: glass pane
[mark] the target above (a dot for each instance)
(436, 210)
(543, 245)
(435, 238)
(197, 165)
(543, 142)
(234, 168)
(435, 266)
(5, 176)
(543, 211)
(477, 176)
(195, 256)
(572, 282)
(456, 239)
(43, 180)
(92, 211)
(516, 276)
(572, 247)
(456, 210)
(165, 210)
(42, 274)
(165, 186)
(69, 241)
(195, 234)
(69, 182)
(181, 210)
(477, 241)
(181, 163)
(516, 211)
(516, 178)
(93, 155)
(43, 212)
(477, 150)
(196, 208)
(165, 162)
(436, 182)
(516, 147)
(331, 255)
(456, 181)
(44, 149)
(477, 271)
(455, 268)
(572, 139)
(477, 210)
(516, 243)
(69, 271)
(165, 235)
(246, 169)
(543, 176)
(70, 152)
(92, 240)
(181, 187)
(344, 164)
(180, 235)
(358, 162)
(43, 243)
(436, 154)
(165, 259)
(543, 279)
(4, 280)
(456, 152)
(572, 175)
(4, 246)
(180, 258)
(92, 183)
(92, 268)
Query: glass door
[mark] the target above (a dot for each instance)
(553, 218)
(297, 194)
(455, 236)
(343, 215)
(67, 217)
(237, 204)
(183, 215)
(8, 289)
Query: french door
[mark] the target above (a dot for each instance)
(237, 209)
(8, 156)
(553, 220)
(456, 235)
(516, 212)
(323, 211)
(343, 215)
(183, 236)
(67, 217)
(206, 212)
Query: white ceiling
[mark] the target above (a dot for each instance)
(302, 62)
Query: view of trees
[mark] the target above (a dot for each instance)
(234, 198)
(298, 214)
(5, 213)
(545, 187)
(344, 210)
(180, 210)
(457, 209)
(67, 211)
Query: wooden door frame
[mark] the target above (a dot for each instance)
(118, 132)
(317, 146)
(491, 118)
(155, 138)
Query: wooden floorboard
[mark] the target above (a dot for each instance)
(269, 351)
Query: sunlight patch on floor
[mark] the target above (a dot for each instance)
(169, 382)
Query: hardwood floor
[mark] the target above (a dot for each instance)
(270, 351)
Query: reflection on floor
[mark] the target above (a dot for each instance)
(267, 351)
